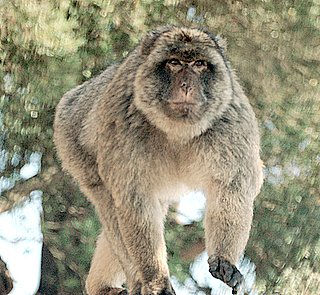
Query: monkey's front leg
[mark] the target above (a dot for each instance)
(111, 260)
(140, 219)
(227, 227)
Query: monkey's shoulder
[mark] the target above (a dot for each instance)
(233, 138)
(91, 89)
(237, 119)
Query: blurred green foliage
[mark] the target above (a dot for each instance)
(47, 47)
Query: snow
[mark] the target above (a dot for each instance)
(3, 159)
(191, 208)
(191, 13)
(33, 167)
(189, 287)
(274, 175)
(21, 244)
(15, 160)
(269, 124)
(8, 83)
(29, 170)
(6, 184)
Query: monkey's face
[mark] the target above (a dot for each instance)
(182, 94)
(183, 77)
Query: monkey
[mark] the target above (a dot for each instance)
(170, 118)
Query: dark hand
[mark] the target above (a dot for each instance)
(154, 288)
(113, 291)
(226, 272)
(168, 291)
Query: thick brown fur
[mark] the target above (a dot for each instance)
(145, 131)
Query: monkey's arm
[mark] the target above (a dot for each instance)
(227, 225)
(140, 221)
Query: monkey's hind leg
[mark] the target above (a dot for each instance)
(106, 275)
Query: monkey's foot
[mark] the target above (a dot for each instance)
(136, 290)
(157, 288)
(226, 272)
(112, 291)
(167, 291)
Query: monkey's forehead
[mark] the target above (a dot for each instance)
(187, 36)
(185, 43)
(187, 53)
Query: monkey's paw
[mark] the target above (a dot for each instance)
(167, 291)
(158, 288)
(226, 272)
(113, 291)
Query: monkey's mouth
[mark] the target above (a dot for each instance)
(182, 110)
(182, 107)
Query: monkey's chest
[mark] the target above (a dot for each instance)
(185, 170)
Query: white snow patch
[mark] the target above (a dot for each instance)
(3, 160)
(191, 208)
(188, 288)
(200, 272)
(275, 175)
(6, 183)
(269, 124)
(21, 244)
(302, 145)
(33, 167)
(293, 169)
(191, 13)
(16, 158)
(8, 83)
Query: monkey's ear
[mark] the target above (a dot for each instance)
(218, 40)
(148, 41)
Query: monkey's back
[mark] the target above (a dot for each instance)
(71, 114)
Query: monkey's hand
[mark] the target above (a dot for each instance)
(154, 288)
(226, 272)
(113, 291)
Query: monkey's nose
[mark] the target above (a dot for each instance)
(185, 87)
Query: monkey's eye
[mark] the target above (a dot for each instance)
(174, 62)
(200, 63)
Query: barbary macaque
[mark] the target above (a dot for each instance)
(170, 118)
